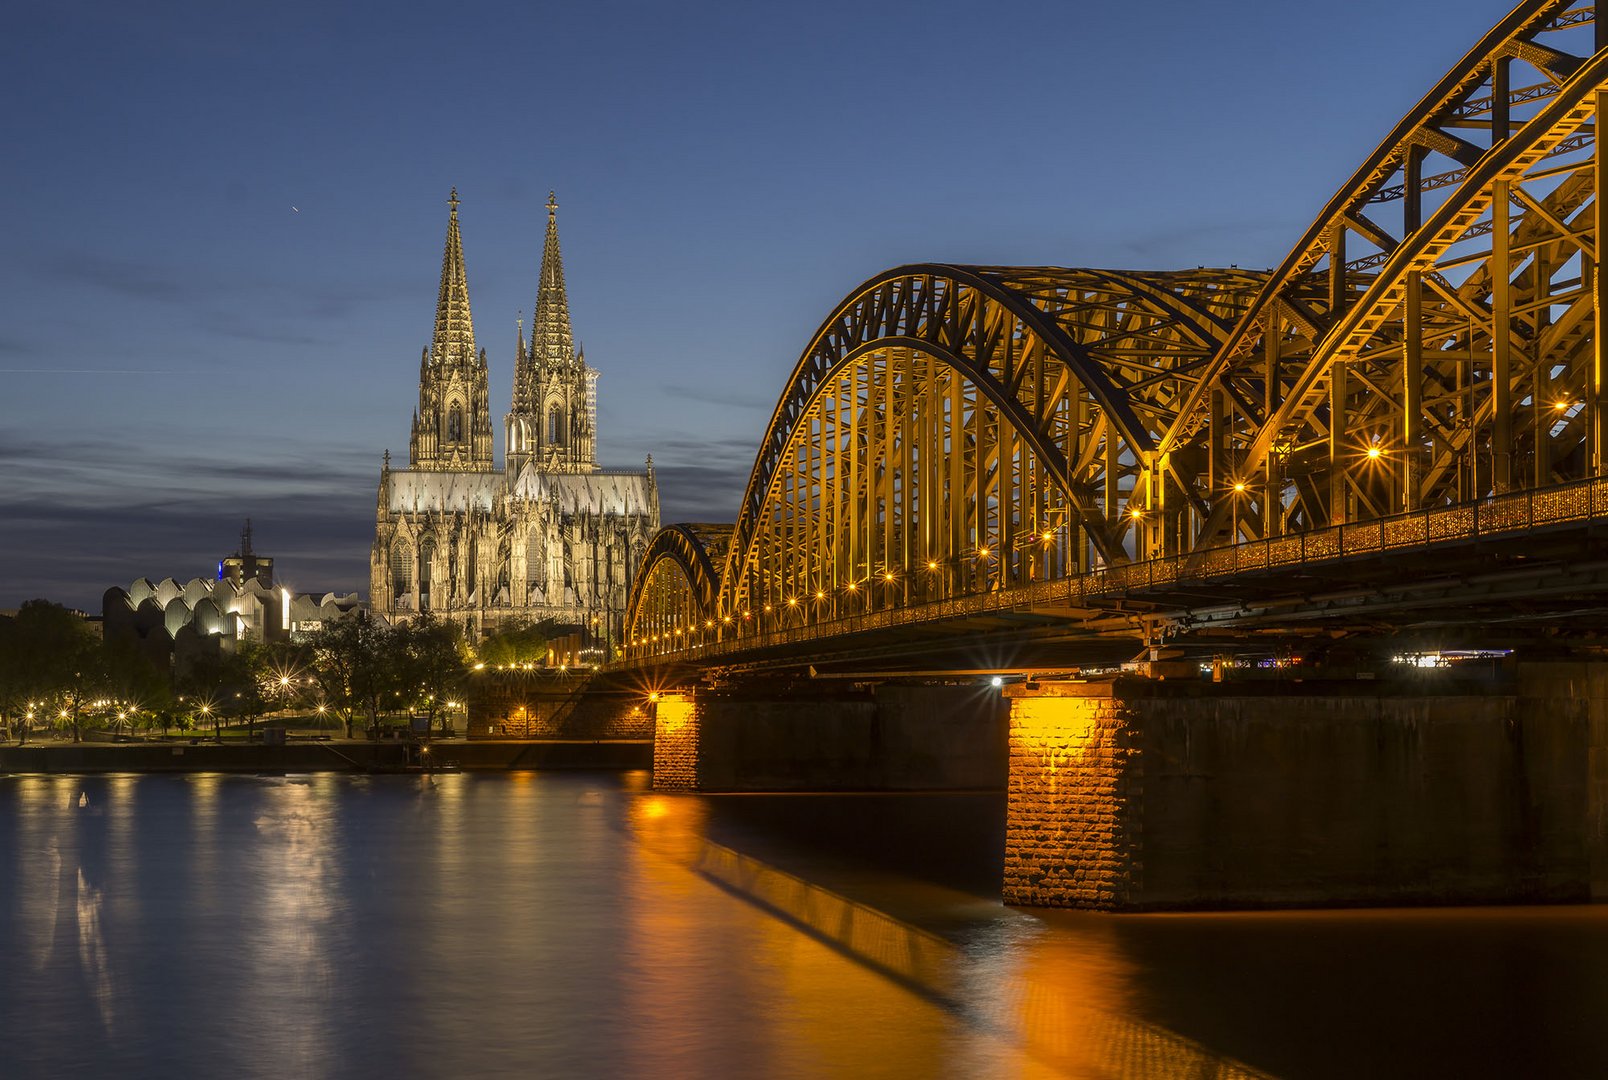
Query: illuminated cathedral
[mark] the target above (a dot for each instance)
(550, 535)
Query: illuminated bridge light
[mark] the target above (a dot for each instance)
(829, 495)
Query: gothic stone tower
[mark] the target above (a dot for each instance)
(553, 535)
(452, 427)
(554, 418)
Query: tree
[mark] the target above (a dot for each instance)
(128, 675)
(431, 662)
(283, 673)
(49, 659)
(519, 643)
(221, 685)
(353, 665)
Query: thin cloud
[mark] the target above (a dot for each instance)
(701, 492)
(125, 277)
(709, 395)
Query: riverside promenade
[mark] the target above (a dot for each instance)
(331, 755)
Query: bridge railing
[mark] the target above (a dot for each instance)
(1517, 512)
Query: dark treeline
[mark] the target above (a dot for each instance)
(58, 676)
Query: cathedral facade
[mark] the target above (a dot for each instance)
(548, 536)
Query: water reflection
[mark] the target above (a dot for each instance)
(1060, 1000)
(288, 959)
(92, 957)
(575, 925)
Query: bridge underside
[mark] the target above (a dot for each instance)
(1394, 441)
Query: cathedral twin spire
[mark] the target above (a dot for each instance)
(553, 412)
(454, 338)
(452, 426)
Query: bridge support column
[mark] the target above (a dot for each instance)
(830, 738)
(677, 743)
(1446, 787)
(1072, 834)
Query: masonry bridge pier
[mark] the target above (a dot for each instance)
(1187, 519)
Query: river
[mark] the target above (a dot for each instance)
(553, 924)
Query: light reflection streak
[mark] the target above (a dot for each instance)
(92, 958)
(290, 951)
(38, 885)
(1061, 1001)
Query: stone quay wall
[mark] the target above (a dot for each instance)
(891, 738)
(1138, 795)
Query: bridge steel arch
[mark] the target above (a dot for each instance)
(674, 594)
(1432, 338)
(951, 429)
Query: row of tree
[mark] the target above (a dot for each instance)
(56, 673)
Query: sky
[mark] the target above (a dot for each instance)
(225, 221)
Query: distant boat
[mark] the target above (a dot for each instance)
(83, 799)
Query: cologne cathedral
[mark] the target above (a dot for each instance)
(550, 535)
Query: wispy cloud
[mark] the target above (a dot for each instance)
(701, 492)
(72, 552)
(716, 395)
(124, 277)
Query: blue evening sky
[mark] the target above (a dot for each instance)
(225, 221)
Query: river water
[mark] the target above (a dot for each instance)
(580, 925)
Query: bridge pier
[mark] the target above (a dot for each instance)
(1130, 794)
(886, 738)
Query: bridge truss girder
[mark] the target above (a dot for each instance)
(1432, 339)
(945, 420)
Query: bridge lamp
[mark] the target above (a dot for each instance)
(887, 575)
(1239, 487)
(1374, 452)
(1047, 536)
(996, 682)
(932, 564)
(982, 552)
(1136, 512)
(725, 618)
(820, 594)
(852, 587)
(1563, 406)
(708, 623)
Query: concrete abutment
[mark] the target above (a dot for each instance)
(1130, 794)
(888, 738)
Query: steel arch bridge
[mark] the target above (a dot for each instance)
(1430, 342)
